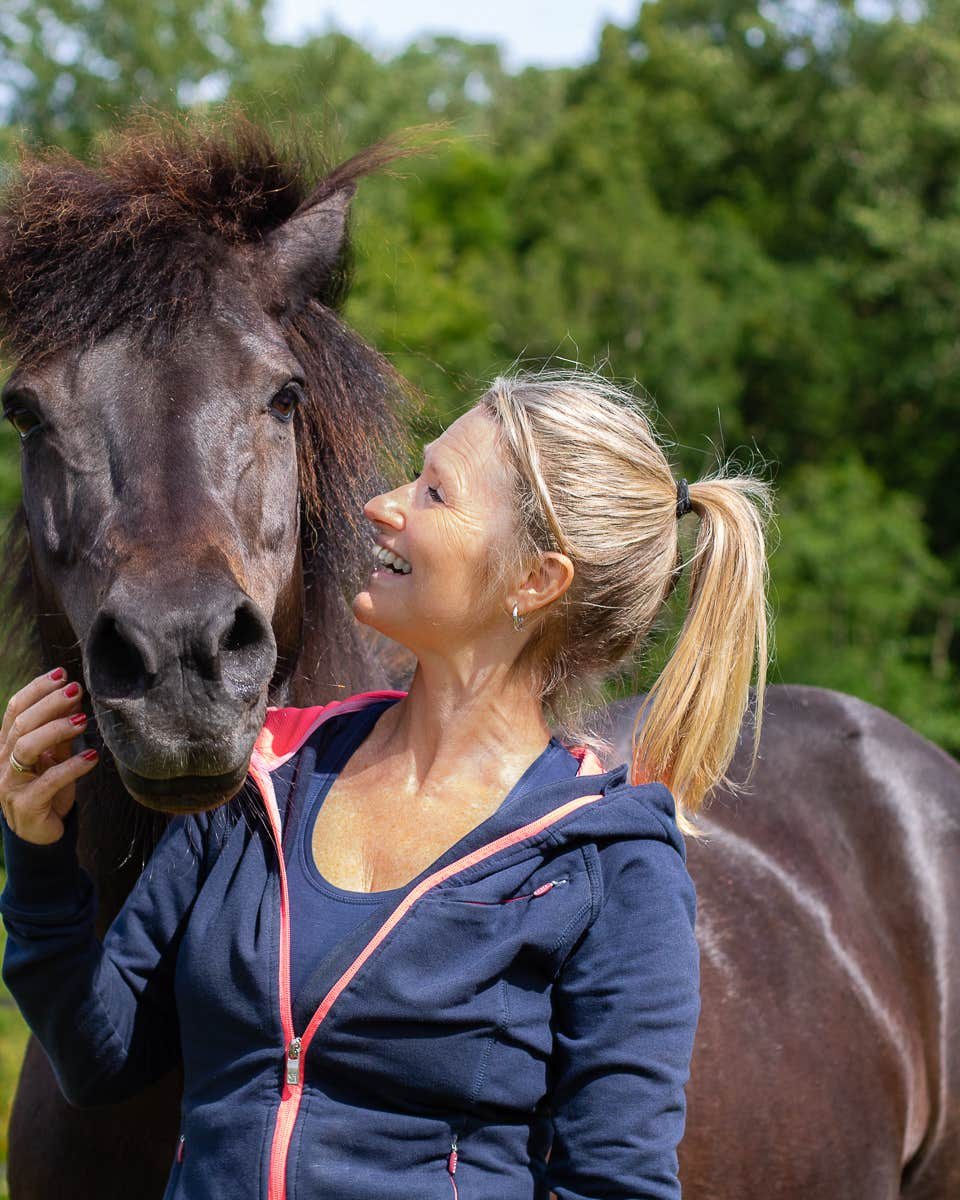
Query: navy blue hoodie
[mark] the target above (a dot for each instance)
(495, 1037)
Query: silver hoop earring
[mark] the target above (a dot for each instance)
(518, 618)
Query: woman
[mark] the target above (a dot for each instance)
(463, 956)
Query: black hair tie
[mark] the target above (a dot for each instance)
(683, 498)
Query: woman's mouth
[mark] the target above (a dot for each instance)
(393, 562)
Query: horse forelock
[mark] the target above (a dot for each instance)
(138, 236)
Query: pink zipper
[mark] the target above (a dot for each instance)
(291, 1092)
(295, 1048)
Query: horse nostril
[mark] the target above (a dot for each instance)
(116, 664)
(228, 645)
(245, 650)
(247, 630)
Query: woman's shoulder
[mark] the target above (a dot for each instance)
(640, 855)
(631, 811)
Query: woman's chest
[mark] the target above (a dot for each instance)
(369, 835)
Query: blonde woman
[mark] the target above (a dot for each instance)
(462, 961)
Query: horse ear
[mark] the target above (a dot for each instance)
(302, 252)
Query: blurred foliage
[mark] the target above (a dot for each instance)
(752, 207)
(858, 588)
(71, 68)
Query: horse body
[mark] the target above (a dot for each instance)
(186, 554)
(827, 1060)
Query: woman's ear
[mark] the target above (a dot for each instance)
(547, 580)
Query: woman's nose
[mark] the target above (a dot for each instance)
(389, 508)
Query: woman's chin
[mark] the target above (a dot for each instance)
(373, 612)
(368, 611)
(364, 608)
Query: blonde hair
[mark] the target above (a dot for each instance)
(593, 482)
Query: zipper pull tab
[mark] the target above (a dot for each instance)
(293, 1062)
(452, 1157)
(181, 1144)
(546, 887)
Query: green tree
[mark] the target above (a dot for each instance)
(855, 586)
(74, 67)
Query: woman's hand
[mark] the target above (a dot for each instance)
(38, 725)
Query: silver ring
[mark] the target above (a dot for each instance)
(20, 767)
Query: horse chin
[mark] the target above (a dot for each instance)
(185, 794)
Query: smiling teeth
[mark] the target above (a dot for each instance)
(389, 559)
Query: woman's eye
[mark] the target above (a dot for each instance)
(285, 401)
(23, 421)
(431, 491)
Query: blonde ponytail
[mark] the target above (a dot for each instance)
(687, 729)
(592, 481)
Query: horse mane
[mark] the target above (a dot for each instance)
(135, 239)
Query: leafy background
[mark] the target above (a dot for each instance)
(752, 209)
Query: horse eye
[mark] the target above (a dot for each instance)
(24, 421)
(285, 401)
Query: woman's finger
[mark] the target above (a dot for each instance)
(35, 811)
(56, 754)
(61, 775)
(48, 707)
(29, 694)
(30, 748)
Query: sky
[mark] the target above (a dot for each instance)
(530, 32)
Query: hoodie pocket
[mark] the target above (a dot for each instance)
(542, 889)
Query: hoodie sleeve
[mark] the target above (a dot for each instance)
(626, 1006)
(103, 1012)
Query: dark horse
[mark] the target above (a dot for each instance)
(200, 430)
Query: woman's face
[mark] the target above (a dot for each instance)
(445, 530)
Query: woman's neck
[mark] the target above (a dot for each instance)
(485, 727)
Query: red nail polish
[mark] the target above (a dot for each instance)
(57, 673)
(78, 719)
(71, 690)
(90, 755)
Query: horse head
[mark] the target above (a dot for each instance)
(199, 430)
